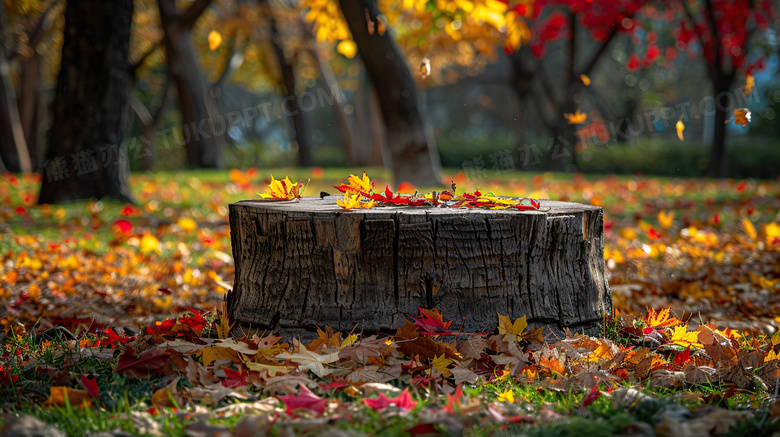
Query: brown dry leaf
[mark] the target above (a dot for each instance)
(463, 374)
(473, 347)
(364, 349)
(200, 375)
(166, 396)
(412, 344)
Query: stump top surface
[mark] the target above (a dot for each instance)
(328, 205)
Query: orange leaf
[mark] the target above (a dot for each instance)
(750, 230)
(215, 39)
(741, 116)
(585, 80)
(680, 128)
(750, 82)
(74, 397)
(661, 319)
(576, 118)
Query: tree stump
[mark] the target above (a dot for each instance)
(310, 264)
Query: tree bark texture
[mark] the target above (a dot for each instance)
(413, 153)
(13, 147)
(86, 157)
(721, 86)
(202, 127)
(307, 264)
(32, 106)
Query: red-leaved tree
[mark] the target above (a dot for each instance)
(726, 30)
(567, 22)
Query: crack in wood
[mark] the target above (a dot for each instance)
(309, 264)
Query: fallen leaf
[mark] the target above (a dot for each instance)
(305, 400)
(60, 395)
(576, 118)
(215, 40)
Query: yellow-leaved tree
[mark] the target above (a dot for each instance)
(385, 34)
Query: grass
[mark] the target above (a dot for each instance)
(165, 197)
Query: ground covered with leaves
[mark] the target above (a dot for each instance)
(112, 322)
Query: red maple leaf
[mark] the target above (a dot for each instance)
(683, 357)
(114, 338)
(90, 383)
(305, 400)
(403, 402)
(235, 378)
(453, 401)
(196, 322)
(165, 327)
(592, 396)
(147, 363)
(387, 197)
(431, 322)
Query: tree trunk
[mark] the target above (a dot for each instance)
(309, 263)
(290, 105)
(203, 128)
(413, 153)
(86, 157)
(13, 147)
(329, 81)
(522, 77)
(721, 86)
(32, 106)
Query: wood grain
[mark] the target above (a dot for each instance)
(309, 263)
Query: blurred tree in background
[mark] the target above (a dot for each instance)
(563, 85)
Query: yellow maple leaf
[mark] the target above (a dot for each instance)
(282, 189)
(363, 185)
(661, 319)
(576, 118)
(507, 396)
(680, 128)
(602, 353)
(353, 201)
(349, 341)
(665, 219)
(215, 39)
(505, 325)
(770, 356)
(750, 230)
(681, 337)
(585, 80)
(776, 338)
(441, 363)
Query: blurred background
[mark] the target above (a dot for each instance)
(478, 87)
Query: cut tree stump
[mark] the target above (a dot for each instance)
(310, 264)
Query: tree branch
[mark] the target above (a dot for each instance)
(596, 56)
(137, 64)
(191, 15)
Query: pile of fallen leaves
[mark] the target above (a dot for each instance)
(334, 377)
(358, 193)
(89, 291)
